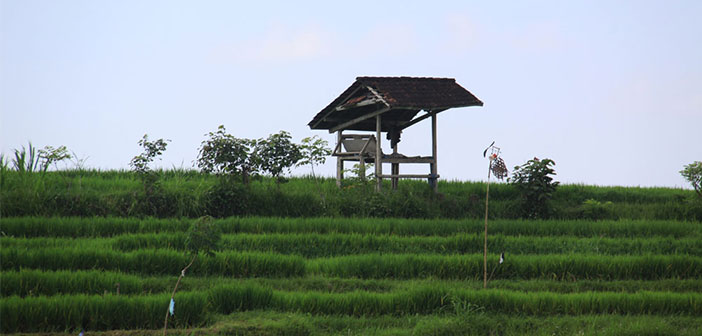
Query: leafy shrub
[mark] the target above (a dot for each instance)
(405, 204)
(693, 174)
(154, 201)
(203, 236)
(535, 186)
(29, 160)
(226, 198)
(593, 209)
(223, 153)
(277, 153)
(50, 155)
(152, 149)
(314, 151)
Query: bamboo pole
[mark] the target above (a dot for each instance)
(487, 197)
(182, 274)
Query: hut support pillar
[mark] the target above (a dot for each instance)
(339, 162)
(395, 170)
(433, 183)
(378, 156)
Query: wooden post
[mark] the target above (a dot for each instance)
(395, 170)
(433, 182)
(339, 161)
(362, 166)
(378, 161)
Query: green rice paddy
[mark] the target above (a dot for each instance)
(70, 270)
(99, 274)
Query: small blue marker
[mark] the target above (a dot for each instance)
(171, 307)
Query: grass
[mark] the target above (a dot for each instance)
(105, 312)
(377, 266)
(314, 245)
(154, 262)
(112, 226)
(573, 267)
(266, 323)
(29, 282)
(184, 193)
(89, 250)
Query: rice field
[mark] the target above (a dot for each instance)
(358, 276)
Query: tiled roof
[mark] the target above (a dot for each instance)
(406, 96)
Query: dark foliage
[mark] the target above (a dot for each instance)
(227, 198)
(535, 185)
(224, 154)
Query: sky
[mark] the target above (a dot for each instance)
(609, 90)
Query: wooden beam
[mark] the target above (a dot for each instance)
(418, 176)
(433, 181)
(365, 102)
(337, 148)
(375, 93)
(332, 110)
(378, 155)
(420, 118)
(339, 161)
(415, 120)
(361, 159)
(359, 119)
(421, 159)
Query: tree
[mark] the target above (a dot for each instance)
(693, 174)
(32, 160)
(50, 155)
(277, 153)
(535, 186)
(140, 163)
(223, 153)
(314, 151)
(152, 149)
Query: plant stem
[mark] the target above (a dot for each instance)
(319, 188)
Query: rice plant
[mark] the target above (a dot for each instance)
(112, 226)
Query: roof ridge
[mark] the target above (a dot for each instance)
(360, 78)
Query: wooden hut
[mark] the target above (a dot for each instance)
(390, 105)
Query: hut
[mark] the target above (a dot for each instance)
(390, 105)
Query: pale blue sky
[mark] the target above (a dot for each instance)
(610, 90)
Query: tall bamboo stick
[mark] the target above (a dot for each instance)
(487, 197)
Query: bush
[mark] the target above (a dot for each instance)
(535, 186)
(227, 198)
(595, 210)
(693, 174)
(223, 154)
(277, 153)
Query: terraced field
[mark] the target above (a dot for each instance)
(352, 276)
